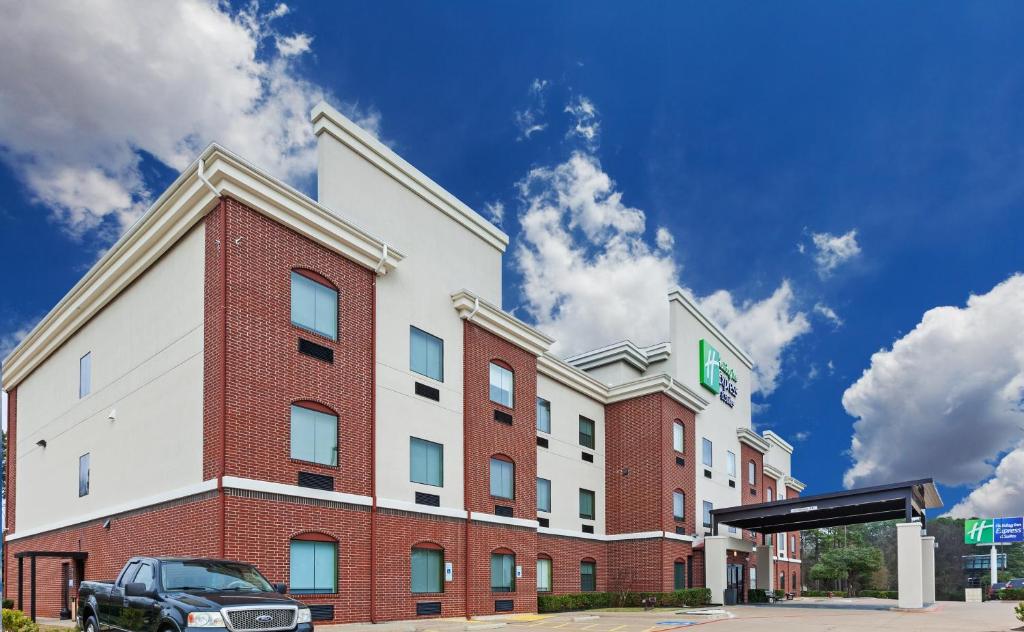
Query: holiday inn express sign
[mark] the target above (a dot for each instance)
(717, 376)
(994, 531)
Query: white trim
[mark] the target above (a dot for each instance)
(752, 439)
(568, 533)
(777, 474)
(174, 494)
(180, 207)
(794, 484)
(328, 120)
(777, 440)
(622, 351)
(776, 558)
(517, 522)
(253, 485)
(679, 295)
(500, 323)
(658, 352)
(572, 377)
(403, 505)
(679, 536)
(615, 537)
(658, 383)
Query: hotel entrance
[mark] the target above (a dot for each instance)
(734, 577)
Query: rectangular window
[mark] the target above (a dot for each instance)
(426, 354)
(83, 475)
(679, 576)
(586, 504)
(543, 415)
(426, 462)
(586, 432)
(314, 436)
(543, 575)
(85, 375)
(751, 473)
(501, 385)
(502, 478)
(503, 572)
(543, 494)
(678, 505)
(707, 453)
(730, 463)
(588, 576)
(707, 513)
(314, 567)
(427, 570)
(792, 545)
(314, 306)
(678, 437)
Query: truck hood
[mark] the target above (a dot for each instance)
(200, 600)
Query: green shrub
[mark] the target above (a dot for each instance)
(757, 595)
(1011, 594)
(1019, 611)
(689, 597)
(8, 604)
(879, 594)
(18, 621)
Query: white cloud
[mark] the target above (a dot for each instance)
(829, 314)
(529, 120)
(803, 435)
(664, 239)
(495, 211)
(833, 251)
(585, 123)
(812, 372)
(947, 399)
(831, 367)
(166, 78)
(1003, 495)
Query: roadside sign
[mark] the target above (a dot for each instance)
(994, 530)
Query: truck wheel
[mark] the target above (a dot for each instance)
(91, 625)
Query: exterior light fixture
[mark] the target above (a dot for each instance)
(41, 443)
(112, 416)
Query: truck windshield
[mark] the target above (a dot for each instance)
(211, 575)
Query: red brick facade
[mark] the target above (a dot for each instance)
(566, 555)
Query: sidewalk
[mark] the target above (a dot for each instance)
(436, 625)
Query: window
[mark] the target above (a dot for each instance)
(793, 586)
(314, 566)
(678, 436)
(85, 375)
(427, 569)
(792, 545)
(543, 574)
(426, 354)
(314, 436)
(426, 462)
(503, 571)
(543, 415)
(753, 577)
(678, 505)
(707, 513)
(782, 581)
(679, 575)
(502, 478)
(586, 432)
(707, 455)
(543, 494)
(588, 576)
(752, 472)
(782, 544)
(768, 495)
(314, 306)
(501, 385)
(730, 463)
(146, 575)
(586, 504)
(83, 475)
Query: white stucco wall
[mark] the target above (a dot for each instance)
(561, 461)
(147, 364)
(441, 257)
(778, 456)
(615, 373)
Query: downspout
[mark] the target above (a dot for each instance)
(373, 447)
(465, 460)
(379, 269)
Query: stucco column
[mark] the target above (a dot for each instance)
(928, 569)
(715, 547)
(909, 572)
(993, 560)
(765, 567)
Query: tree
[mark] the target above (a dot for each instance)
(854, 565)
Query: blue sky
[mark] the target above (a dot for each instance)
(741, 131)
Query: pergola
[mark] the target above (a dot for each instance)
(32, 555)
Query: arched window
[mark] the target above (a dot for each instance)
(427, 564)
(503, 570)
(782, 581)
(769, 495)
(503, 477)
(314, 433)
(588, 575)
(543, 573)
(678, 436)
(679, 574)
(313, 564)
(679, 504)
(502, 384)
(314, 303)
(752, 472)
(794, 585)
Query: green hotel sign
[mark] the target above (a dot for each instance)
(994, 530)
(716, 375)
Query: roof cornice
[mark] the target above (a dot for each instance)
(775, 473)
(778, 441)
(171, 216)
(624, 351)
(794, 484)
(500, 323)
(678, 295)
(330, 121)
(752, 439)
(572, 377)
(658, 383)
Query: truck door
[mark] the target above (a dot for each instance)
(112, 607)
(141, 614)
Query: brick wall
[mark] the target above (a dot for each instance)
(675, 476)
(751, 494)
(673, 550)
(636, 565)
(634, 502)
(566, 555)
(484, 538)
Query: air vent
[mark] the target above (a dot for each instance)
(431, 500)
(680, 460)
(543, 522)
(503, 417)
(542, 442)
(753, 492)
(428, 608)
(588, 528)
(323, 612)
(732, 483)
(313, 350)
(707, 473)
(681, 530)
(316, 481)
(588, 457)
(428, 391)
(503, 510)
(504, 605)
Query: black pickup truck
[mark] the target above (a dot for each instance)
(164, 594)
